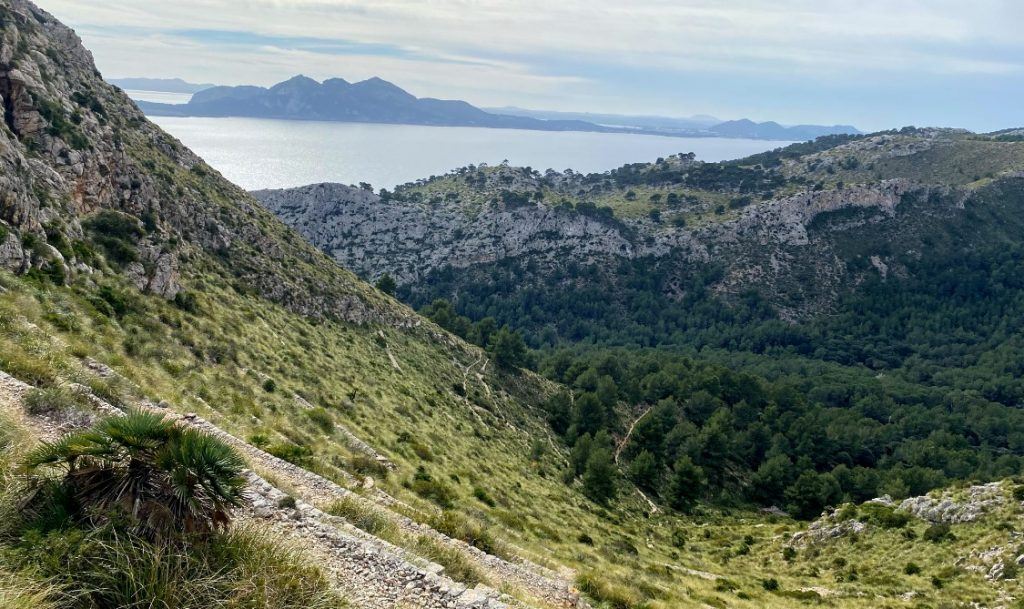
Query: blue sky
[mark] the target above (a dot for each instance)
(872, 63)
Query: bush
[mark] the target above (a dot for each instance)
(459, 527)
(292, 453)
(456, 565)
(911, 568)
(269, 385)
(186, 301)
(50, 400)
(322, 419)
(143, 468)
(884, 516)
(366, 465)
(771, 584)
(428, 488)
(364, 517)
(616, 597)
(938, 533)
(482, 496)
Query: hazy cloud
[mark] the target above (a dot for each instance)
(834, 61)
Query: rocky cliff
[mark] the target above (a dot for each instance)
(787, 238)
(88, 184)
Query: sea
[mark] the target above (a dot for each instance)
(269, 153)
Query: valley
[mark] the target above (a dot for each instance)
(788, 380)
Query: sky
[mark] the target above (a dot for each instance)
(876, 64)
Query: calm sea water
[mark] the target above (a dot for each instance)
(264, 153)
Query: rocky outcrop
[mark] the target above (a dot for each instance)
(408, 240)
(828, 527)
(956, 507)
(72, 145)
(763, 246)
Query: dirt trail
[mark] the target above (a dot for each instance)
(371, 572)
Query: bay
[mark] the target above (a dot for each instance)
(267, 153)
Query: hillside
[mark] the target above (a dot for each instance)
(388, 463)
(796, 225)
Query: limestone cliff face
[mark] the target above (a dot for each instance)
(762, 247)
(72, 145)
(408, 241)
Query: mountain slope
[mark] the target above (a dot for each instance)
(796, 227)
(137, 277)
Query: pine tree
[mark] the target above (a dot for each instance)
(686, 484)
(600, 476)
(387, 284)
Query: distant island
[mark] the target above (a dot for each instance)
(378, 101)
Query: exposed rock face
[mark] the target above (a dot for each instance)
(72, 145)
(950, 508)
(826, 528)
(408, 241)
(763, 246)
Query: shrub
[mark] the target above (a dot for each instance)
(771, 584)
(144, 468)
(911, 568)
(482, 496)
(367, 466)
(678, 538)
(292, 453)
(788, 553)
(456, 565)
(269, 385)
(49, 400)
(186, 301)
(611, 595)
(428, 488)
(322, 419)
(938, 532)
(884, 516)
(363, 517)
(459, 527)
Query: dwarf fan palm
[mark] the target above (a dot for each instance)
(162, 476)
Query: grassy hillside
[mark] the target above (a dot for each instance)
(136, 271)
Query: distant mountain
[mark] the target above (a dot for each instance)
(369, 101)
(693, 126)
(163, 85)
(774, 131)
(379, 101)
(658, 123)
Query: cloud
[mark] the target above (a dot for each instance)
(572, 54)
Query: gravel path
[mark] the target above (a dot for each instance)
(371, 572)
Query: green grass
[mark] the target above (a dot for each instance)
(48, 562)
(214, 362)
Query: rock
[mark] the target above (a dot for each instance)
(967, 506)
